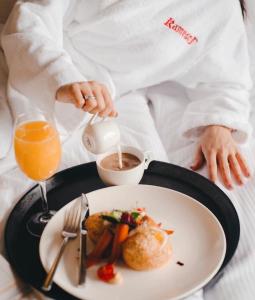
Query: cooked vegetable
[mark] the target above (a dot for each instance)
(110, 219)
(117, 214)
(113, 217)
(120, 236)
(135, 214)
(102, 244)
(168, 231)
(127, 218)
(91, 261)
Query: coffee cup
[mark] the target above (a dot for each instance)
(124, 176)
(99, 137)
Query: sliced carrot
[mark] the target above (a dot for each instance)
(168, 231)
(120, 236)
(102, 244)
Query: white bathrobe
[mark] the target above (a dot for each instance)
(130, 45)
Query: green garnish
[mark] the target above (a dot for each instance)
(110, 219)
(116, 214)
(135, 215)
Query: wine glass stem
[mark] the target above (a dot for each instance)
(46, 215)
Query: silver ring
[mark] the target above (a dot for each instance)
(89, 97)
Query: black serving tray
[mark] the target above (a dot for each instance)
(23, 249)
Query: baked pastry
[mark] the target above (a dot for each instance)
(95, 225)
(146, 248)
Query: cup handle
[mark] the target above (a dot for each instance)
(148, 158)
(104, 118)
(92, 119)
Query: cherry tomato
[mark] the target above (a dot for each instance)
(106, 272)
(140, 209)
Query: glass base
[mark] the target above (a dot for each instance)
(37, 222)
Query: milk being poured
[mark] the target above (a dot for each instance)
(120, 156)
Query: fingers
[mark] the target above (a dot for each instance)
(228, 164)
(109, 109)
(222, 156)
(212, 165)
(199, 159)
(243, 164)
(113, 114)
(108, 103)
(77, 95)
(224, 169)
(235, 168)
(91, 103)
(102, 104)
(100, 101)
(210, 157)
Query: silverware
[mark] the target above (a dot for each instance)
(83, 239)
(70, 231)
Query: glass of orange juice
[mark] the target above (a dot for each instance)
(38, 152)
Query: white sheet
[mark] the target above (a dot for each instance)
(5, 116)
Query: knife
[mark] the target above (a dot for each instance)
(83, 239)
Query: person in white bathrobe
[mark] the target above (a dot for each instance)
(89, 53)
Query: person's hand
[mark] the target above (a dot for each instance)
(89, 96)
(218, 148)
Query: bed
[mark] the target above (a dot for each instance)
(237, 282)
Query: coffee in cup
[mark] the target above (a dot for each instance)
(134, 162)
(128, 160)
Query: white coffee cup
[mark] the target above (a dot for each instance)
(120, 177)
(100, 136)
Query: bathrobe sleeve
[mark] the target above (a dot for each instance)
(32, 41)
(219, 82)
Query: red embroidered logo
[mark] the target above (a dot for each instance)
(189, 38)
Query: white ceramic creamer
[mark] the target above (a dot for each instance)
(99, 137)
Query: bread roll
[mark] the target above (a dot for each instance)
(95, 226)
(147, 248)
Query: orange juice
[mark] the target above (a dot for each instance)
(37, 149)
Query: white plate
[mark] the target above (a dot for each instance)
(198, 241)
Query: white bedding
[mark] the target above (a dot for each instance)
(5, 116)
(139, 129)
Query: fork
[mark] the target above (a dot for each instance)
(70, 231)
